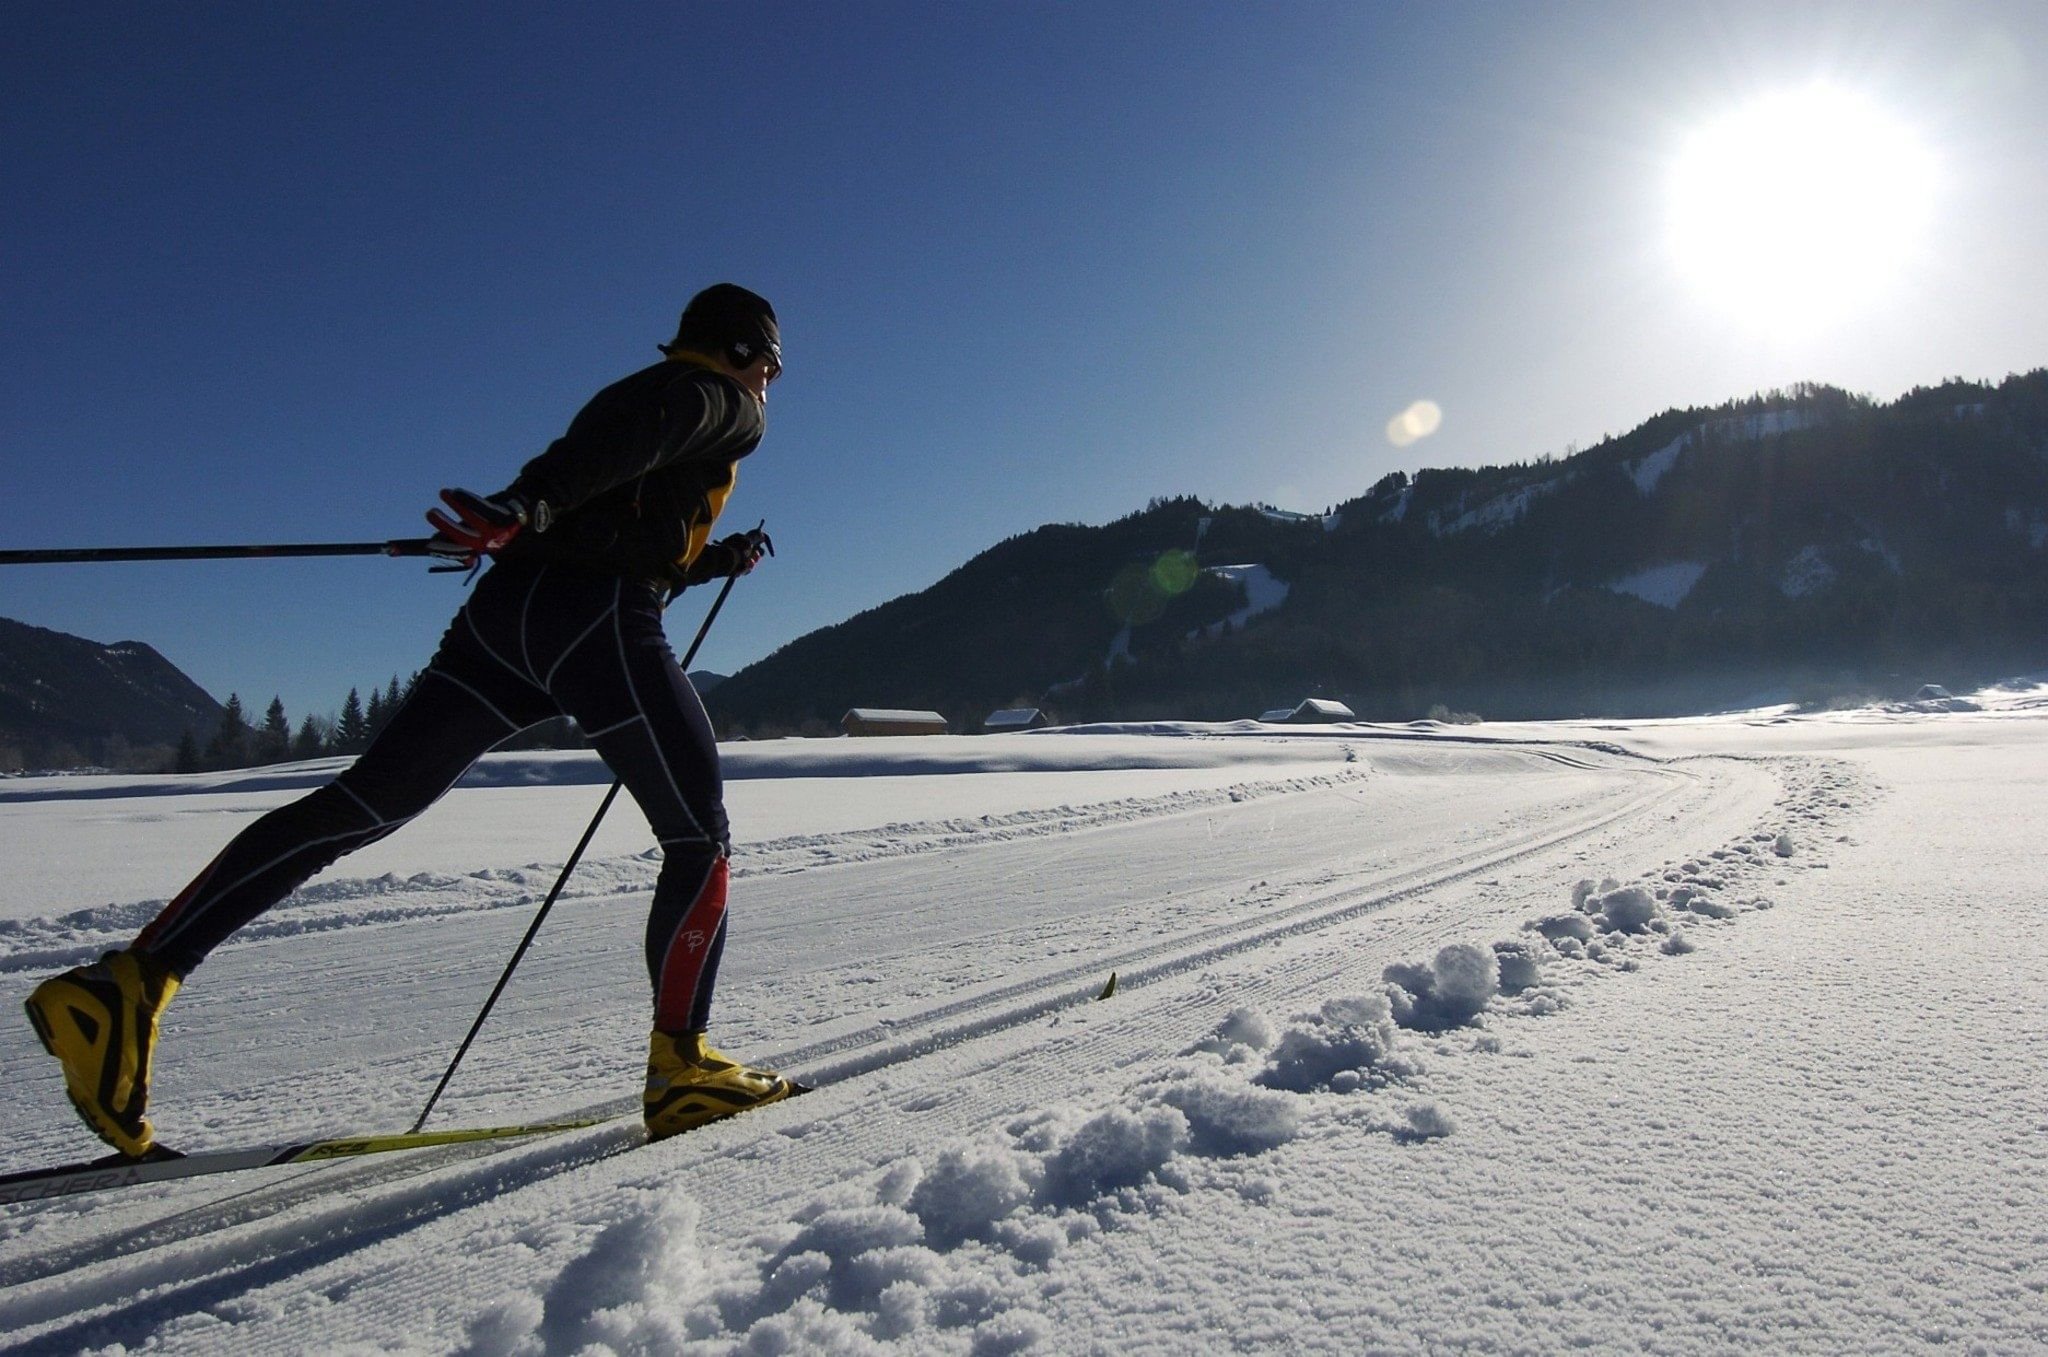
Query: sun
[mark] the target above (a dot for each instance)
(1800, 210)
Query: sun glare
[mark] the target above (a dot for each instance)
(1800, 210)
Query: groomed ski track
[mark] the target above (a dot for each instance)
(939, 990)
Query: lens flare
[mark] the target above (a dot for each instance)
(1141, 590)
(1174, 572)
(1414, 424)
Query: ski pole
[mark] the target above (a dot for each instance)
(402, 546)
(533, 929)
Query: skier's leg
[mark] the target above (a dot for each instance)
(434, 737)
(635, 703)
(100, 1021)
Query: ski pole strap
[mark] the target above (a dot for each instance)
(403, 546)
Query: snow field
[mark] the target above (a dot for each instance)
(1488, 1049)
(962, 1253)
(1140, 1030)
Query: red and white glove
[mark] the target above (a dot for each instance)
(482, 527)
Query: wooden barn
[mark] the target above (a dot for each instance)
(1014, 718)
(1316, 711)
(889, 721)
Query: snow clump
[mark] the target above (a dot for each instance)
(1114, 1149)
(1628, 910)
(627, 1291)
(1425, 1121)
(1520, 964)
(1446, 993)
(972, 1187)
(855, 1252)
(951, 1246)
(1563, 927)
(1346, 1045)
(1242, 1035)
(1227, 1117)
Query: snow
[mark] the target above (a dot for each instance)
(1499, 512)
(1263, 593)
(1664, 585)
(1648, 473)
(1691, 1035)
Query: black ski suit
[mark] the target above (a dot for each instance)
(566, 622)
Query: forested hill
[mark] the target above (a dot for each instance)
(1806, 544)
(65, 700)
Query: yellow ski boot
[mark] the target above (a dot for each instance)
(100, 1022)
(689, 1084)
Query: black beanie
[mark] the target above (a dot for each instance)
(726, 319)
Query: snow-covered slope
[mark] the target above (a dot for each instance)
(1663, 1035)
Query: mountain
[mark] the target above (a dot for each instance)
(1805, 543)
(65, 700)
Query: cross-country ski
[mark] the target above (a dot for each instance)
(163, 1165)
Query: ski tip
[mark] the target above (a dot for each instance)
(1108, 989)
(797, 1087)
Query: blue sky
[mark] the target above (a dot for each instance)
(279, 272)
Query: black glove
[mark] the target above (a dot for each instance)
(482, 527)
(729, 556)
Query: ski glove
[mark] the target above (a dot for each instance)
(729, 556)
(482, 527)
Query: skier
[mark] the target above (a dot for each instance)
(588, 544)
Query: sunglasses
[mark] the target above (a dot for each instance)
(745, 355)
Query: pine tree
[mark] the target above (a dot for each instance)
(375, 715)
(394, 697)
(188, 754)
(229, 747)
(352, 731)
(308, 744)
(274, 742)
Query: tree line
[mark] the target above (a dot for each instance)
(239, 743)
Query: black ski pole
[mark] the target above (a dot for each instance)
(533, 929)
(402, 546)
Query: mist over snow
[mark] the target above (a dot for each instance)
(1694, 1035)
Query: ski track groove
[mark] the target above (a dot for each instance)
(887, 1042)
(353, 1213)
(327, 906)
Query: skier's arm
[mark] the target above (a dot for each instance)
(703, 416)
